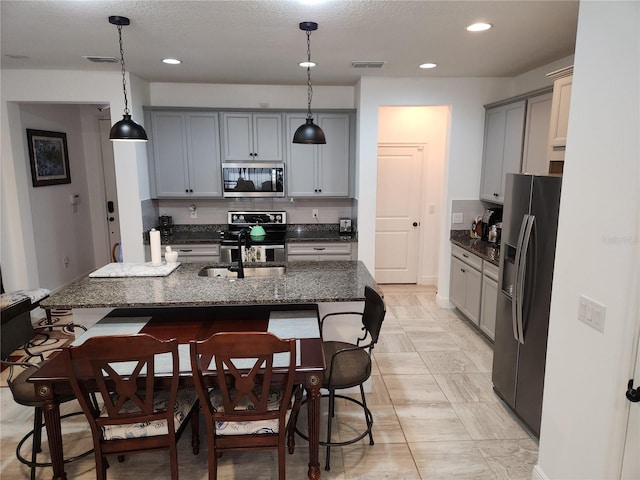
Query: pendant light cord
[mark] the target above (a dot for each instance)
(309, 87)
(124, 82)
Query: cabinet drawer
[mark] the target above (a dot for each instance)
(490, 270)
(467, 257)
(319, 248)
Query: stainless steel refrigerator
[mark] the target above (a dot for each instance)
(527, 253)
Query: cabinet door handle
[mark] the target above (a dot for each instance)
(319, 248)
(465, 255)
(463, 270)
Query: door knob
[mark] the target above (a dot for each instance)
(415, 224)
(633, 394)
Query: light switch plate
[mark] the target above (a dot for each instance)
(457, 217)
(592, 313)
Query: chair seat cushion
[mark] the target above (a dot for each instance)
(11, 299)
(36, 294)
(248, 427)
(184, 402)
(349, 369)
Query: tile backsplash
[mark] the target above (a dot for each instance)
(215, 211)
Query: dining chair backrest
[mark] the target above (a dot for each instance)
(124, 369)
(254, 363)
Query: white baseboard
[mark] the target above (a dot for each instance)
(443, 302)
(538, 474)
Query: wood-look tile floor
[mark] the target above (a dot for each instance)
(435, 415)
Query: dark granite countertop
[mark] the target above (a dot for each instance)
(485, 250)
(303, 282)
(208, 234)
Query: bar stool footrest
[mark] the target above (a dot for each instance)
(31, 464)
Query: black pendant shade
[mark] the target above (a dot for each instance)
(126, 129)
(309, 133)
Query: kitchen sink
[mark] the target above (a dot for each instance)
(223, 272)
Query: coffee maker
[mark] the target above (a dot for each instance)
(491, 217)
(166, 226)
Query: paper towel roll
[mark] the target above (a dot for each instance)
(156, 255)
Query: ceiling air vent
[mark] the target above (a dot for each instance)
(102, 59)
(367, 64)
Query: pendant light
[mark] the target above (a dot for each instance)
(309, 133)
(126, 129)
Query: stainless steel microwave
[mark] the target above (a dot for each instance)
(240, 179)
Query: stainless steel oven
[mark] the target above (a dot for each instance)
(274, 224)
(252, 179)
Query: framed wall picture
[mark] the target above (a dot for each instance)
(49, 157)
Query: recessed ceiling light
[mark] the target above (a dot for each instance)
(306, 64)
(479, 27)
(171, 61)
(429, 65)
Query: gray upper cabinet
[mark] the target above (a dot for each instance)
(252, 136)
(503, 142)
(186, 154)
(319, 170)
(536, 135)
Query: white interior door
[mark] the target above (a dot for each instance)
(398, 213)
(111, 200)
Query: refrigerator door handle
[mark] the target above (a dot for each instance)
(516, 288)
(521, 281)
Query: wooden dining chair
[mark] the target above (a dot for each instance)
(249, 406)
(143, 409)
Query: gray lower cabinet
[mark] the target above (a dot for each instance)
(489, 299)
(192, 253)
(319, 251)
(466, 283)
(185, 147)
(252, 136)
(319, 170)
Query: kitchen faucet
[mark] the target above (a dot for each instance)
(240, 267)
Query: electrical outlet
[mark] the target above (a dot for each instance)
(194, 213)
(592, 313)
(457, 218)
(65, 261)
(314, 213)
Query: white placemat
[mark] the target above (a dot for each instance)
(113, 326)
(134, 270)
(294, 324)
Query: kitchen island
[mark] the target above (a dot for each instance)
(303, 282)
(187, 306)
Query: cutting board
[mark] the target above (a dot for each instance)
(134, 270)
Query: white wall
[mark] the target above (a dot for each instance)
(426, 126)
(17, 249)
(465, 99)
(60, 229)
(584, 411)
(248, 96)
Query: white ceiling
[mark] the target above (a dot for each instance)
(259, 42)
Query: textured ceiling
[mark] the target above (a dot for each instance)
(258, 42)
